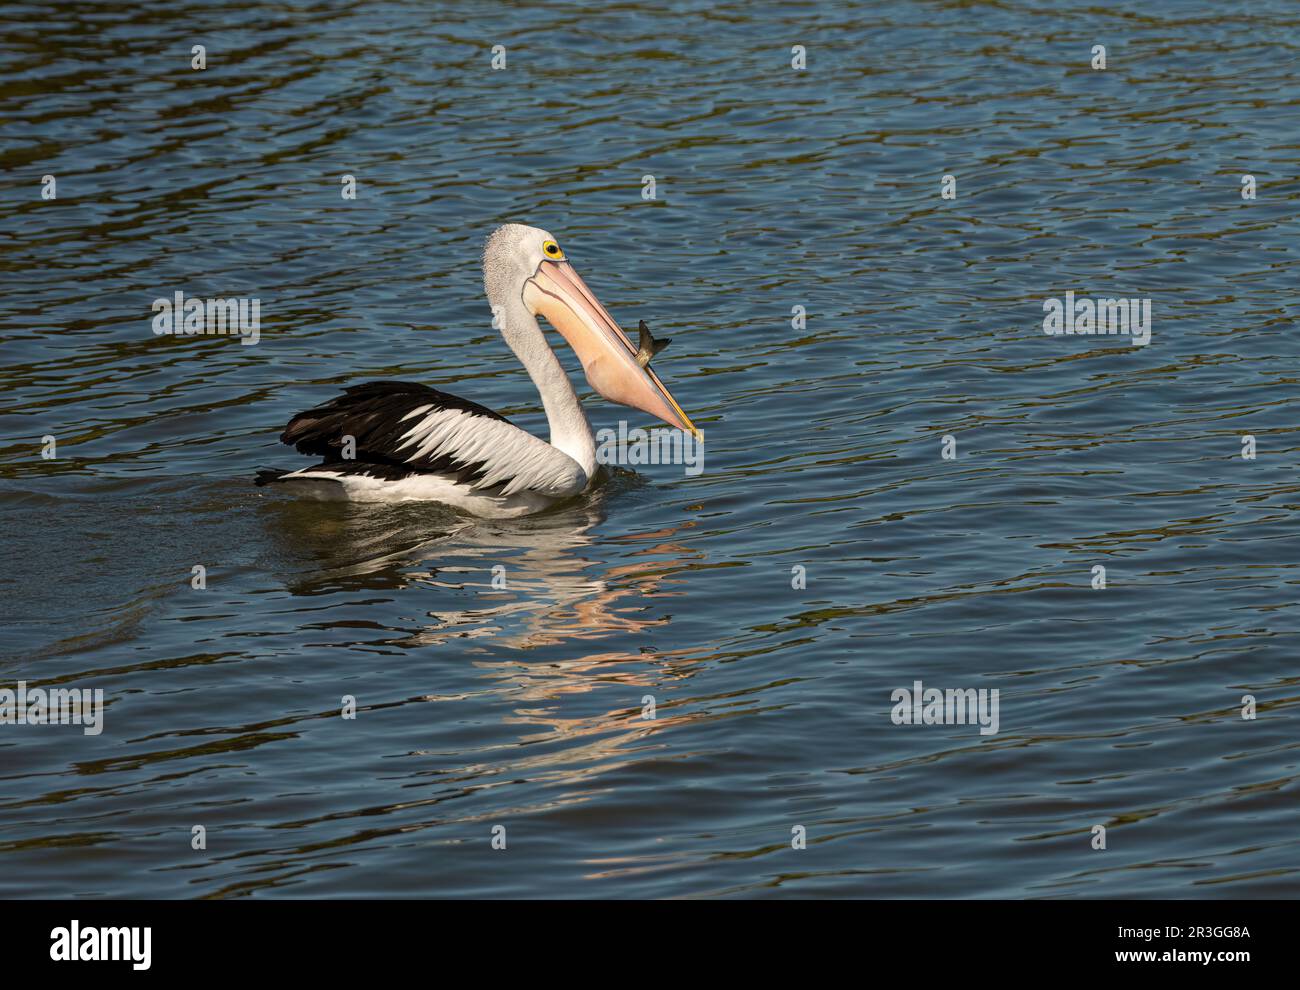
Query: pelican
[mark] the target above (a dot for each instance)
(387, 440)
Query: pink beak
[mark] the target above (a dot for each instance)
(557, 292)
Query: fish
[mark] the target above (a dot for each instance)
(649, 346)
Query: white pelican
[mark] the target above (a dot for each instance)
(411, 441)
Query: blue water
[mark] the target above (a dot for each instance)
(522, 707)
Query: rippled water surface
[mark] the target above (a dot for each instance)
(481, 706)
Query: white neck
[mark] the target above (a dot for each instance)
(570, 431)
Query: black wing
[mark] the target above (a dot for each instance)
(418, 429)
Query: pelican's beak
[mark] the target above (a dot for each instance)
(557, 292)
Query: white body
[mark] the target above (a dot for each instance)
(421, 488)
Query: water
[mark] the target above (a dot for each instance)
(522, 707)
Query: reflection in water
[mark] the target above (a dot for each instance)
(532, 580)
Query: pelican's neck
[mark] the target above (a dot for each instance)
(570, 431)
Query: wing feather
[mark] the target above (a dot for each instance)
(413, 426)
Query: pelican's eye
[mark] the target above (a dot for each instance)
(552, 250)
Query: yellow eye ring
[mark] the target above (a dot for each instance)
(552, 250)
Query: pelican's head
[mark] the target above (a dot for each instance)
(528, 264)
